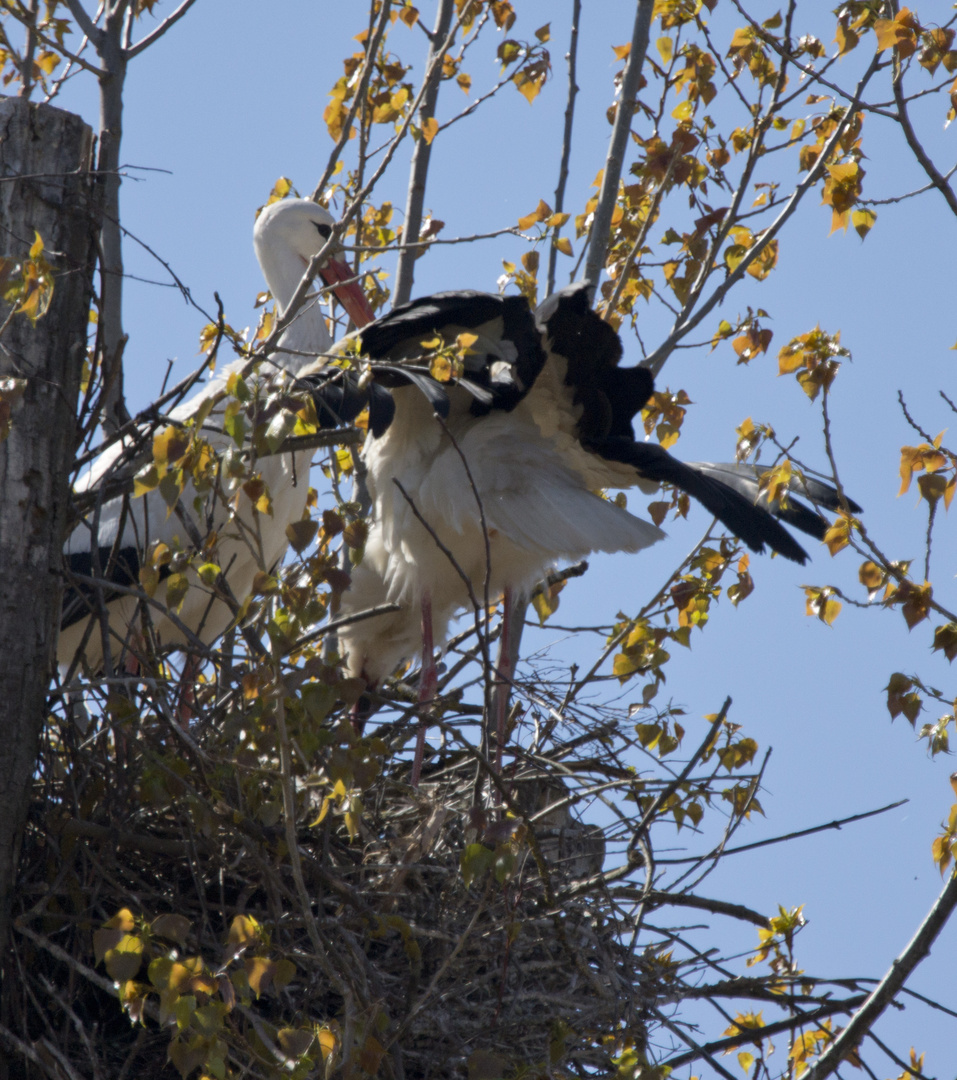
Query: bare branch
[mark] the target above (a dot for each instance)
(572, 58)
(415, 199)
(85, 23)
(903, 116)
(159, 31)
(836, 824)
(601, 220)
(882, 995)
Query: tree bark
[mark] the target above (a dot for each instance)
(45, 157)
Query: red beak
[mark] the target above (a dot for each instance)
(350, 295)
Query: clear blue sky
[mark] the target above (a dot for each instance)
(233, 97)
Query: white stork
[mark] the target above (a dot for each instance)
(286, 236)
(538, 421)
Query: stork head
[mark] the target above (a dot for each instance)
(286, 236)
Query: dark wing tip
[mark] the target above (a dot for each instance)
(752, 524)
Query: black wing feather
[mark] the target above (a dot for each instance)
(753, 524)
(746, 479)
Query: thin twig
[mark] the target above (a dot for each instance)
(572, 58)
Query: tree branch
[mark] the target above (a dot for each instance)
(85, 23)
(685, 325)
(885, 991)
(566, 141)
(601, 220)
(415, 198)
(159, 31)
(903, 116)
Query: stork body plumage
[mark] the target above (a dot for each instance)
(239, 539)
(539, 420)
(501, 484)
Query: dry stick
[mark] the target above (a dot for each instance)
(688, 323)
(601, 221)
(415, 198)
(885, 991)
(572, 58)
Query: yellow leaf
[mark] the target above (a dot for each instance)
(280, 190)
(244, 930)
(149, 579)
(328, 1043)
(838, 536)
(564, 245)
(542, 212)
(863, 221)
(177, 585)
(666, 49)
(870, 575)
(441, 369)
(47, 61)
(528, 87)
(464, 81)
(898, 32)
(36, 248)
(259, 970)
(208, 573)
(621, 51)
(430, 128)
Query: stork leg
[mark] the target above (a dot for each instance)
(503, 680)
(428, 681)
(513, 623)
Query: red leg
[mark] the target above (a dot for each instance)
(503, 678)
(428, 680)
(361, 711)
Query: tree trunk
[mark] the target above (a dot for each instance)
(45, 157)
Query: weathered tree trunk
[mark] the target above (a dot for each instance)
(45, 159)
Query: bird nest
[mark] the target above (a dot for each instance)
(461, 930)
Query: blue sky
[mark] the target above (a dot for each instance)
(233, 97)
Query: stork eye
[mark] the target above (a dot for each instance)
(325, 231)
